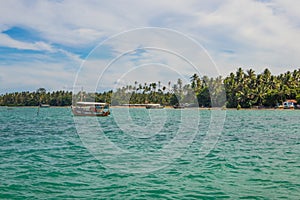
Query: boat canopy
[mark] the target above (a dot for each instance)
(141, 104)
(91, 103)
(291, 101)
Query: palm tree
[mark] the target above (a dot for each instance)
(159, 85)
(193, 80)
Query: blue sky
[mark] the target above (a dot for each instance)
(45, 43)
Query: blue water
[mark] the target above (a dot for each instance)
(49, 156)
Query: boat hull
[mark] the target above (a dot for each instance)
(92, 114)
(155, 107)
(178, 107)
(91, 109)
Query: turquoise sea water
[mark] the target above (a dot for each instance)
(256, 156)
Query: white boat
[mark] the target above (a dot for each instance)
(179, 106)
(44, 105)
(83, 108)
(289, 104)
(154, 106)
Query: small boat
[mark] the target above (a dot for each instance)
(178, 106)
(154, 106)
(44, 105)
(93, 109)
(289, 104)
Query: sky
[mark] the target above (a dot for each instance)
(100, 45)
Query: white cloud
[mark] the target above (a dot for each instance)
(288, 9)
(7, 41)
(257, 35)
(52, 76)
(246, 33)
(79, 22)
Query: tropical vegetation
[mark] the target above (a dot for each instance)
(242, 89)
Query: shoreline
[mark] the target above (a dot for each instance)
(166, 107)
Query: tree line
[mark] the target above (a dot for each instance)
(240, 89)
(57, 98)
(248, 89)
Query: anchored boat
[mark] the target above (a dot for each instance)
(179, 106)
(44, 106)
(91, 109)
(288, 104)
(154, 106)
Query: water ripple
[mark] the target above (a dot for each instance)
(256, 157)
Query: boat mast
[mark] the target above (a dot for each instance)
(81, 94)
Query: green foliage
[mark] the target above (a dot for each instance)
(249, 89)
(298, 98)
(58, 98)
(238, 90)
